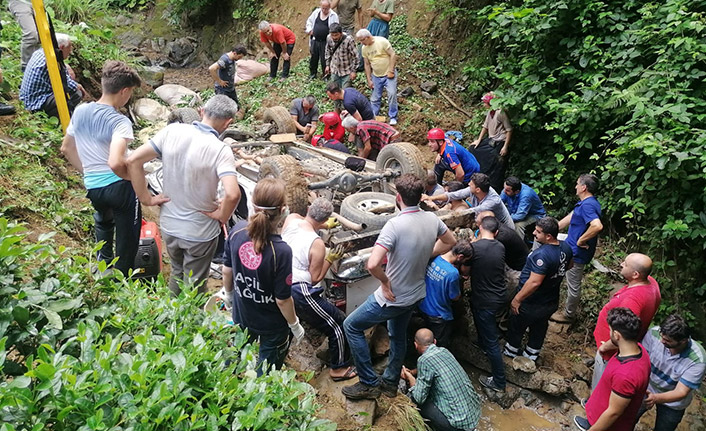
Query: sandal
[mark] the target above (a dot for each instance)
(350, 373)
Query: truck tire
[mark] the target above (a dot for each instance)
(183, 115)
(287, 168)
(356, 208)
(281, 118)
(402, 158)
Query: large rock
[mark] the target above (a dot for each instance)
(174, 94)
(580, 390)
(181, 51)
(150, 110)
(152, 75)
(363, 411)
(520, 363)
(429, 86)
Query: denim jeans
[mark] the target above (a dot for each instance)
(667, 418)
(367, 315)
(488, 338)
(390, 85)
(273, 349)
(343, 81)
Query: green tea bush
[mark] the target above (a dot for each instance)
(119, 355)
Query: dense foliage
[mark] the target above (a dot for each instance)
(87, 354)
(615, 88)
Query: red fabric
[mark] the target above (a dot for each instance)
(642, 300)
(280, 35)
(627, 377)
(336, 132)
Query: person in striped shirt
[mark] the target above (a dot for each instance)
(370, 136)
(678, 365)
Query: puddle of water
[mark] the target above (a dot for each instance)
(495, 418)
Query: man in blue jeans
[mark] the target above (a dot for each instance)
(489, 297)
(380, 60)
(408, 240)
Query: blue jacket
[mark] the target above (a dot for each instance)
(524, 204)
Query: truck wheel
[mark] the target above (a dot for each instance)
(183, 115)
(287, 168)
(281, 118)
(401, 158)
(356, 208)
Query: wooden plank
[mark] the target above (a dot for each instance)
(283, 137)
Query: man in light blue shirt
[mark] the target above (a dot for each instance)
(522, 202)
(96, 144)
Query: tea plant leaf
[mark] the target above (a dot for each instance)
(53, 318)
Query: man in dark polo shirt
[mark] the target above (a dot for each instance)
(538, 293)
(353, 101)
(305, 114)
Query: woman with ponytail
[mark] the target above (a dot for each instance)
(258, 266)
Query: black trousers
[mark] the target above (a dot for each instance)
(50, 108)
(274, 61)
(317, 48)
(536, 318)
(118, 216)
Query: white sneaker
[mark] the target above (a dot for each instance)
(393, 121)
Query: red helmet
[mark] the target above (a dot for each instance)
(436, 134)
(330, 118)
(315, 140)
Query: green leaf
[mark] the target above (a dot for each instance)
(45, 371)
(178, 360)
(53, 318)
(20, 382)
(20, 314)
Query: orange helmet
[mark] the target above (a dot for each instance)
(436, 134)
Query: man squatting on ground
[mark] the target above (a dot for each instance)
(305, 114)
(194, 161)
(523, 203)
(441, 387)
(408, 241)
(96, 145)
(451, 157)
(223, 72)
(310, 262)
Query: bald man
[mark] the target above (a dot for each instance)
(441, 387)
(641, 295)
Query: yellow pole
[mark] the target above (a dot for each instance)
(40, 17)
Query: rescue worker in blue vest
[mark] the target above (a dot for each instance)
(451, 157)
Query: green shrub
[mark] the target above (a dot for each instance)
(118, 354)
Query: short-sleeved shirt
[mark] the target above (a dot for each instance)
(516, 250)
(379, 134)
(491, 202)
(627, 377)
(498, 125)
(94, 126)
(354, 101)
(280, 35)
(193, 162)
(551, 261)
(258, 280)
(384, 6)
(409, 240)
(488, 290)
(524, 204)
(442, 380)
(687, 367)
(455, 155)
(442, 281)
(304, 118)
(376, 53)
(346, 12)
(643, 300)
(226, 70)
(585, 211)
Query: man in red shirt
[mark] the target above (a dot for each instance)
(616, 399)
(370, 136)
(279, 40)
(641, 295)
